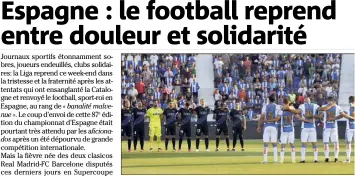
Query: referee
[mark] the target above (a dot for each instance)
(238, 125)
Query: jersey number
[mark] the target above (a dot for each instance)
(309, 114)
(288, 119)
(269, 116)
(330, 115)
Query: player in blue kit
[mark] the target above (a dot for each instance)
(268, 118)
(287, 115)
(184, 116)
(138, 126)
(170, 115)
(221, 114)
(349, 129)
(308, 129)
(332, 113)
(202, 112)
(126, 123)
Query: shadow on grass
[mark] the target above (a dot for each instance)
(157, 155)
(196, 164)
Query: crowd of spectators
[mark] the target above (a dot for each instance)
(163, 77)
(248, 79)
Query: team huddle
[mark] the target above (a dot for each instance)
(272, 113)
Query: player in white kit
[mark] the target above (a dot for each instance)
(308, 129)
(268, 116)
(331, 116)
(287, 114)
(349, 134)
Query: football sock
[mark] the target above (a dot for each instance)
(293, 154)
(197, 143)
(206, 142)
(348, 150)
(180, 142)
(189, 143)
(326, 150)
(141, 140)
(315, 152)
(282, 153)
(217, 142)
(265, 151)
(129, 144)
(158, 141)
(241, 141)
(173, 141)
(303, 152)
(274, 147)
(166, 143)
(151, 139)
(227, 142)
(234, 142)
(135, 141)
(336, 150)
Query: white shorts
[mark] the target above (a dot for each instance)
(287, 137)
(331, 133)
(308, 135)
(349, 135)
(270, 134)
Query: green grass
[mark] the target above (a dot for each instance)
(222, 162)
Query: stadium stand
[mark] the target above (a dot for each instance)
(251, 78)
(246, 79)
(163, 77)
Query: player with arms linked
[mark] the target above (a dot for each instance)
(309, 112)
(138, 128)
(331, 113)
(349, 129)
(170, 124)
(287, 115)
(238, 125)
(268, 116)
(202, 127)
(221, 115)
(126, 123)
(155, 115)
(184, 117)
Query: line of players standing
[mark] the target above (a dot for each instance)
(307, 113)
(271, 113)
(181, 118)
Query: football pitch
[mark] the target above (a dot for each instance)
(223, 162)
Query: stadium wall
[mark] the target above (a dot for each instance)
(346, 87)
(250, 132)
